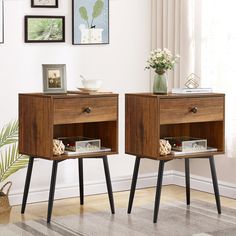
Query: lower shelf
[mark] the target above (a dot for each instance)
(84, 155)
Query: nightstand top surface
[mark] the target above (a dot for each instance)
(175, 95)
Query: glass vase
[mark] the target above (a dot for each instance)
(160, 83)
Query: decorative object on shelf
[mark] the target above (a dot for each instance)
(161, 61)
(4, 200)
(81, 144)
(90, 22)
(192, 81)
(58, 147)
(165, 147)
(1, 21)
(90, 84)
(192, 86)
(44, 3)
(187, 144)
(54, 78)
(44, 29)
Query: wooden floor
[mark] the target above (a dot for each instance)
(100, 202)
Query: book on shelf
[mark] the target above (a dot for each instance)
(191, 90)
(181, 153)
(75, 153)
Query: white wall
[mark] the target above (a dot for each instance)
(120, 64)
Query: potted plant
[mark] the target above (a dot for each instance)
(10, 160)
(161, 61)
(91, 34)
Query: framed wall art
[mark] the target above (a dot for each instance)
(44, 3)
(90, 23)
(54, 78)
(1, 21)
(44, 29)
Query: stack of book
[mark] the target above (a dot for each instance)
(191, 90)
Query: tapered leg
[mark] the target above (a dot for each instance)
(109, 186)
(133, 184)
(27, 184)
(215, 184)
(81, 181)
(158, 190)
(187, 181)
(52, 190)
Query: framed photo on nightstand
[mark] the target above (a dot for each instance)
(54, 78)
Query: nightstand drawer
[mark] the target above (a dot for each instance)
(78, 110)
(189, 110)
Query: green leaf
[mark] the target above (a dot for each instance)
(9, 133)
(97, 8)
(83, 13)
(11, 161)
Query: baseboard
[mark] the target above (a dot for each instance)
(205, 184)
(123, 184)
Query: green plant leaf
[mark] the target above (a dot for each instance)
(97, 8)
(83, 13)
(9, 133)
(11, 161)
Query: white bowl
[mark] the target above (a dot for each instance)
(92, 83)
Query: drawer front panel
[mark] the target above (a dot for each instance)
(78, 110)
(187, 110)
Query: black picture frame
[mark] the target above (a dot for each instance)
(35, 37)
(76, 20)
(34, 5)
(1, 21)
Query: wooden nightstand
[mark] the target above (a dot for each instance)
(150, 117)
(43, 118)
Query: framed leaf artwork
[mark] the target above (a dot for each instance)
(90, 23)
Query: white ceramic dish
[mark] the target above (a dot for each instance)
(87, 90)
(92, 84)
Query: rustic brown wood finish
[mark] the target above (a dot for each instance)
(150, 117)
(44, 117)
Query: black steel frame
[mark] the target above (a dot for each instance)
(159, 185)
(53, 184)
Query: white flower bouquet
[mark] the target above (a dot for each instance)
(161, 60)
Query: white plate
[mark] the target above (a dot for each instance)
(88, 89)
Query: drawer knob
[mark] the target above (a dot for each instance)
(193, 109)
(87, 110)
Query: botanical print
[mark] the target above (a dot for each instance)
(90, 22)
(45, 29)
(44, 2)
(1, 21)
(54, 78)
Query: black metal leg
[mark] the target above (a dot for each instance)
(27, 184)
(187, 181)
(52, 190)
(133, 184)
(215, 184)
(81, 181)
(109, 186)
(158, 190)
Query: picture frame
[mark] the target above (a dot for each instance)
(54, 78)
(90, 22)
(44, 29)
(44, 3)
(1, 21)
